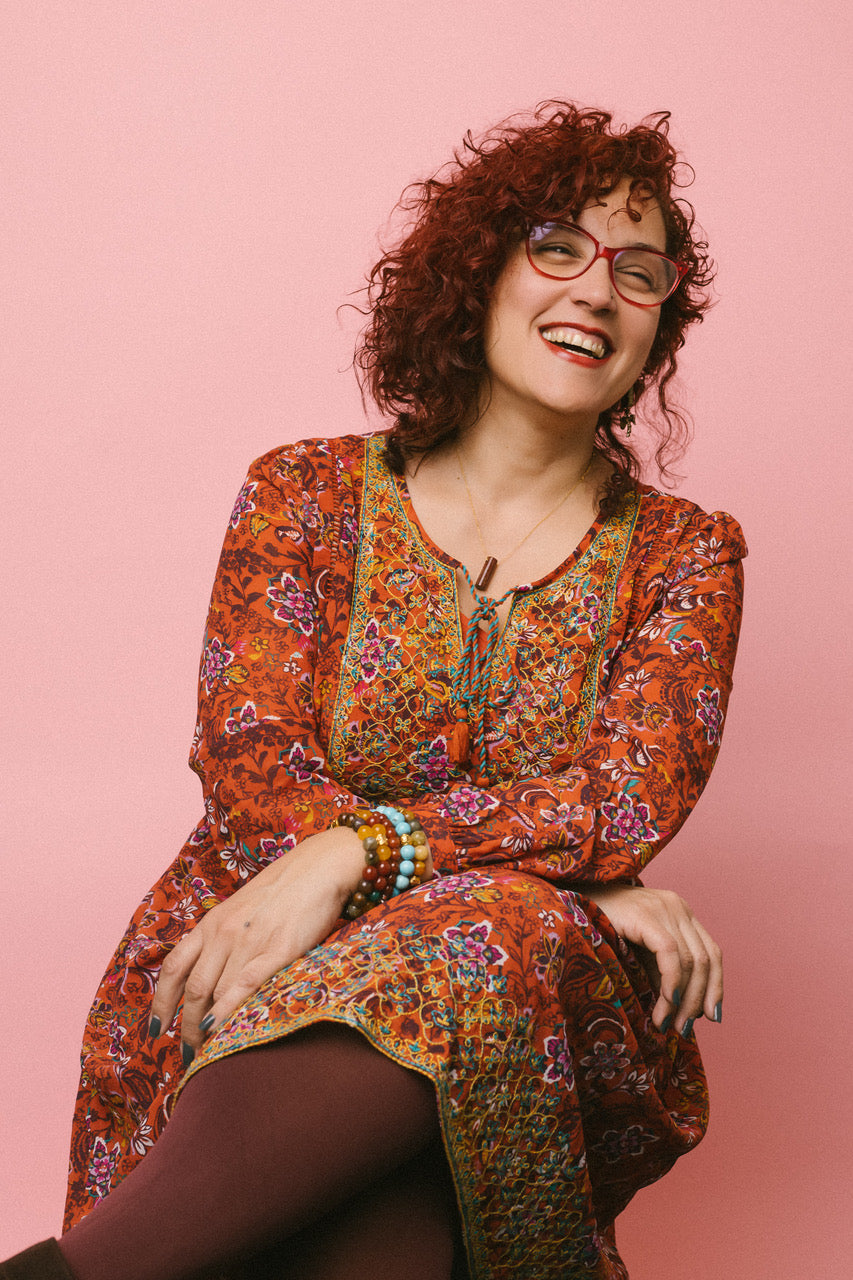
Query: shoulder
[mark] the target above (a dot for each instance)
(313, 463)
(308, 490)
(679, 552)
(679, 534)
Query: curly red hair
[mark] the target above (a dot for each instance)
(421, 354)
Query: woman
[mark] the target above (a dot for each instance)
(482, 622)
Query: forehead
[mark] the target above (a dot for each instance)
(633, 216)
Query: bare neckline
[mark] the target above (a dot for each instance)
(407, 507)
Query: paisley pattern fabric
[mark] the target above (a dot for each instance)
(326, 679)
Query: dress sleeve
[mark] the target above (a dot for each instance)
(650, 746)
(265, 780)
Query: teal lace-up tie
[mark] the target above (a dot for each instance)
(471, 683)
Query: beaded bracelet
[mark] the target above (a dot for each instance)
(395, 855)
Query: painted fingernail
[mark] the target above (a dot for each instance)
(718, 1011)
(676, 997)
(687, 1028)
(154, 1027)
(667, 1023)
(187, 1053)
(207, 1023)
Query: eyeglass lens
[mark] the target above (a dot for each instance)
(565, 252)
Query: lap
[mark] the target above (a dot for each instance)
(420, 971)
(516, 1000)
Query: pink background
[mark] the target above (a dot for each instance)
(166, 168)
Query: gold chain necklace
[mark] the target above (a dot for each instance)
(490, 563)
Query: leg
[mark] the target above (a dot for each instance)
(261, 1145)
(403, 1225)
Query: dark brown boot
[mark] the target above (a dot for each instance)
(41, 1262)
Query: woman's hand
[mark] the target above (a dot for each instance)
(277, 917)
(685, 962)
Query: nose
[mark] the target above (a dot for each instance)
(594, 287)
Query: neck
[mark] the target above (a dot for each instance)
(510, 495)
(512, 453)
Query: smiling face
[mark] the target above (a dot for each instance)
(571, 348)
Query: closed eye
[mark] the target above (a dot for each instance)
(557, 251)
(633, 273)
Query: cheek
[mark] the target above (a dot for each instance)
(500, 332)
(644, 337)
(514, 298)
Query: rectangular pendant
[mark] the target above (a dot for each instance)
(486, 573)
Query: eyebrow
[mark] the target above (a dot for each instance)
(641, 244)
(635, 244)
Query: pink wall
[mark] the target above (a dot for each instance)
(165, 166)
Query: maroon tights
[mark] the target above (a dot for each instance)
(313, 1158)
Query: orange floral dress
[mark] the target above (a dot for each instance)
(327, 679)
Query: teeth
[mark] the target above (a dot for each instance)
(573, 338)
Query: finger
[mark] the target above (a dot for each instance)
(693, 994)
(662, 1014)
(674, 965)
(199, 996)
(170, 985)
(713, 1003)
(237, 987)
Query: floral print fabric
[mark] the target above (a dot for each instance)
(326, 679)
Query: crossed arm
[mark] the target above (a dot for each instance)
(294, 903)
(572, 825)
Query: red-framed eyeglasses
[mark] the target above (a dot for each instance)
(563, 251)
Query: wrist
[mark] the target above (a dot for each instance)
(347, 853)
(335, 854)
